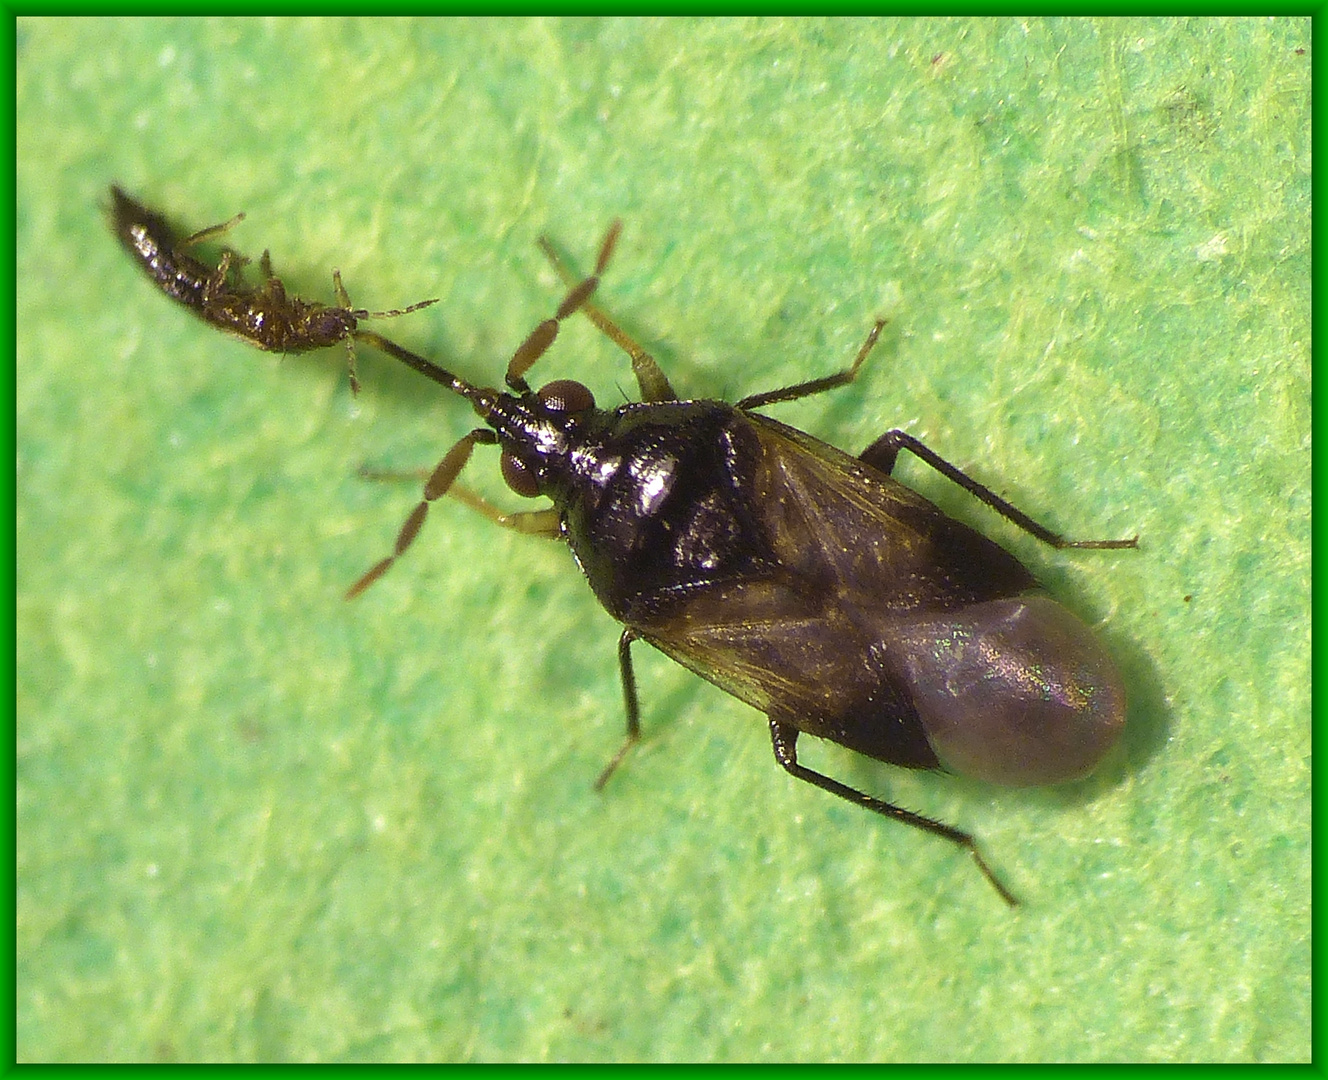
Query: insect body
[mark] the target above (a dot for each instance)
(803, 581)
(265, 316)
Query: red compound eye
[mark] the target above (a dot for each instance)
(519, 478)
(566, 395)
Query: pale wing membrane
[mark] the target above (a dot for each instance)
(804, 638)
(879, 545)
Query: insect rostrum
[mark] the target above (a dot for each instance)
(806, 582)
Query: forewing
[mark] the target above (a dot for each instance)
(805, 634)
(797, 655)
(880, 546)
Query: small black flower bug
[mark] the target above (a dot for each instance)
(807, 583)
(264, 316)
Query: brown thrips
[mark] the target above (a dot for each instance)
(264, 315)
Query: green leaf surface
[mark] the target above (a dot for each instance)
(256, 822)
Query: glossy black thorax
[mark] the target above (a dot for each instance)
(662, 501)
(655, 498)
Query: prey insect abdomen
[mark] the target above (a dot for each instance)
(149, 238)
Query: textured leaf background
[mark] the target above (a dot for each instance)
(258, 823)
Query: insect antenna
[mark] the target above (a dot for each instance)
(343, 298)
(435, 488)
(537, 344)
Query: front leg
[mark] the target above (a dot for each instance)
(631, 703)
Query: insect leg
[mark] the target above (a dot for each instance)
(216, 284)
(545, 523)
(537, 344)
(353, 334)
(817, 386)
(273, 287)
(784, 738)
(653, 382)
(883, 452)
(210, 232)
(439, 481)
(630, 701)
(343, 298)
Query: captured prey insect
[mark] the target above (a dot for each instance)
(265, 316)
(807, 583)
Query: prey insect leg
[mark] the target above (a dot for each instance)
(784, 739)
(630, 701)
(650, 378)
(203, 235)
(219, 281)
(343, 298)
(883, 452)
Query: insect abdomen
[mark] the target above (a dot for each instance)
(148, 237)
(1013, 691)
